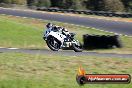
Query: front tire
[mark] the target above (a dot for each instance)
(53, 43)
(77, 48)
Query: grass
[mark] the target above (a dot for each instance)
(18, 70)
(27, 33)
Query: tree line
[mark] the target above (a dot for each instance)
(96, 5)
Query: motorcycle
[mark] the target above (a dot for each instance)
(56, 40)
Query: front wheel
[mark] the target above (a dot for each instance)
(53, 43)
(77, 47)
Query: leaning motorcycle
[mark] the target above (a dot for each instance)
(56, 40)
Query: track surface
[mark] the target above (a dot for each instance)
(113, 26)
(65, 53)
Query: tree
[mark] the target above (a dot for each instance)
(56, 3)
(1, 1)
(32, 2)
(78, 4)
(6, 1)
(95, 5)
(39, 3)
(21, 2)
(113, 5)
(73, 4)
(45, 3)
(127, 4)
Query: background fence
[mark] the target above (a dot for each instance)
(87, 12)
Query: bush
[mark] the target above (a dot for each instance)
(73, 4)
(114, 5)
(45, 3)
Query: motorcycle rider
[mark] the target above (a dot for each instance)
(64, 31)
(67, 41)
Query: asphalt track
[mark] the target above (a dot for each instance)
(64, 53)
(119, 27)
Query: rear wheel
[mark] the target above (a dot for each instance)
(77, 47)
(53, 43)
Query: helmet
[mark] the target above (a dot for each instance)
(49, 25)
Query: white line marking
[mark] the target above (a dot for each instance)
(24, 17)
(12, 48)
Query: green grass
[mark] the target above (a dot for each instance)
(17, 34)
(27, 33)
(18, 70)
